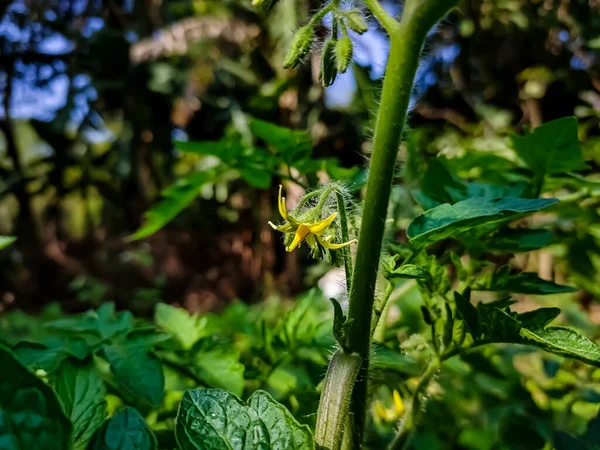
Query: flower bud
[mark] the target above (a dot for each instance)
(343, 53)
(300, 46)
(266, 4)
(328, 66)
(355, 21)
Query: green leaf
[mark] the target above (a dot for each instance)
(339, 319)
(49, 354)
(81, 391)
(387, 359)
(218, 365)
(551, 148)
(187, 329)
(409, 271)
(256, 176)
(5, 241)
(284, 430)
(538, 318)
(468, 313)
(126, 430)
(95, 326)
(227, 150)
(137, 371)
(448, 220)
(175, 199)
(437, 185)
(514, 240)
(522, 283)
(294, 146)
(214, 419)
(497, 325)
(31, 416)
(564, 342)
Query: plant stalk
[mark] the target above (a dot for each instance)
(407, 38)
(345, 238)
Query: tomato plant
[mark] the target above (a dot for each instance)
(252, 377)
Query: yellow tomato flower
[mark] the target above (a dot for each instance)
(390, 414)
(311, 232)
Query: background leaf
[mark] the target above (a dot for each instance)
(5, 241)
(215, 419)
(187, 328)
(126, 430)
(522, 283)
(31, 416)
(448, 220)
(218, 365)
(81, 392)
(551, 148)
(564, 342)
(138, 372)
(175, 199)
(284, 431)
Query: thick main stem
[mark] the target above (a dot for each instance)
(407, 38)
(406, 45)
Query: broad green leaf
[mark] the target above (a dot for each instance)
(218, 366)
(175, 199)
(384, 358)
(437, 185)
(49, 354)
(188, 329)
(137, 371)
(285, 433)
(497, 325)
(294, 146)
(468, 312)
(5, 241)
(491, 191)
(96, 326)
(126, 430)
(410, 271)
(448, 220)
(538, 318)
(551, 148)
(564, 342)
(31, 416)
(212, 419)
(513, 240)
(256, 176)
(81, 391)
(522, 283)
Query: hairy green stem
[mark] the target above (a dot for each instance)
(407, 38)
(381, 310)
(345, 238)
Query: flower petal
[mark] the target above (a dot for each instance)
(301, 233)
(331, 246)
(320, 227)
(285, 228)
(398, 404)
(281, 204)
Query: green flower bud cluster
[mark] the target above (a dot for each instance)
(338, 49)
